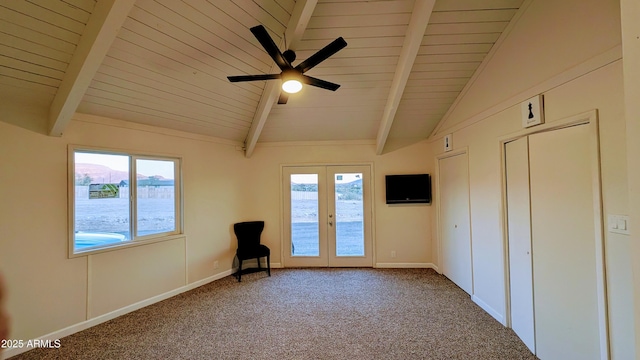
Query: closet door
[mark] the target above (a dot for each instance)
(519, 232)
(564, 245)
(453, 182)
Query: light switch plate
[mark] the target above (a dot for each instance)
(618, 224)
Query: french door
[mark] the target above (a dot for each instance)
(327, 216)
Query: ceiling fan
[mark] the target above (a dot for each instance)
(292, 77)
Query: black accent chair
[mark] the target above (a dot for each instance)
(249, 247)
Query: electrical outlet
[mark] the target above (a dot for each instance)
(393, 254)
(215, 265)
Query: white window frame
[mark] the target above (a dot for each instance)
(135, 240)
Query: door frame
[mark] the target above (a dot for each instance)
(370, 228)
(590, 119)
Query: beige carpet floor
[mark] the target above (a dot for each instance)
(304, 314)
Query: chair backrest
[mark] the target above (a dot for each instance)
(248, 233)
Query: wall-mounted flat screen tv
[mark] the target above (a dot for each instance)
(408, 189)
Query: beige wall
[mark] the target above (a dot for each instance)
(49, 292)
(570, 52)
(556, 48)
(631, 49)
(549, 38)
(405, 229)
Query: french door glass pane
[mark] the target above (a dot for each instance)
(305, 231)
(349, 214)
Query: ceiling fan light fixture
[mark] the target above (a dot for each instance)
(292, 77)
(291, 86)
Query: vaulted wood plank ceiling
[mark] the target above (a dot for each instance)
(165, 63)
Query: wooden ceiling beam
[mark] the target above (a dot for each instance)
(415, 32)
(295, 29)
(100, 31)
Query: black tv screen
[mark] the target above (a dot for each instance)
(408, 189)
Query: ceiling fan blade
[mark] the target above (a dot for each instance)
(253, 77)
(270, 47)
(319, 83)
(322, 54)
(283, 97)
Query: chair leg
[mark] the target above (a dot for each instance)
(240, 271)
(268, 266)
(259, 266)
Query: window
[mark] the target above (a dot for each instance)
(113, 208)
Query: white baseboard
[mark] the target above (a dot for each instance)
(114, 314)
(254, 263)
(491, 311)
(406, 266)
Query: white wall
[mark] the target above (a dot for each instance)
(49, 292)
(570, 52)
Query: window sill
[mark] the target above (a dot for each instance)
(123, 245)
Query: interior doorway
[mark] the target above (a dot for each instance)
(327, 216)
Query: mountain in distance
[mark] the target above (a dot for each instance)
(355, 184)
(104, 174)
